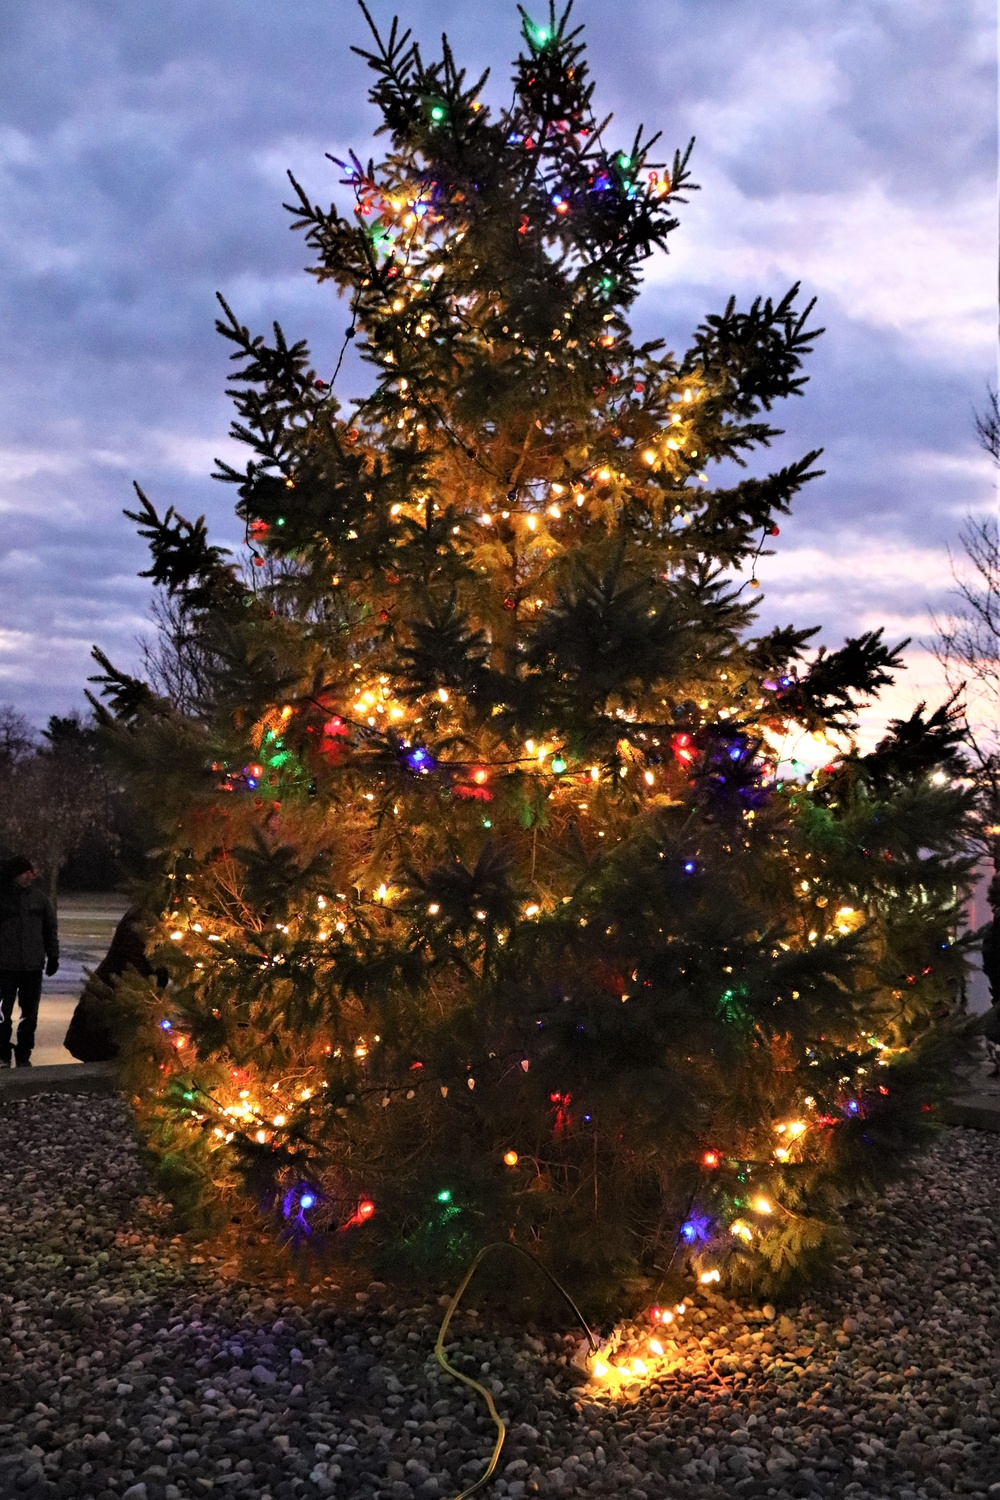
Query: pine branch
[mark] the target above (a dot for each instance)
(184, 562)
(920, 744)
(837, 682)
(127, 696)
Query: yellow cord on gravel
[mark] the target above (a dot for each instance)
(474, 1385)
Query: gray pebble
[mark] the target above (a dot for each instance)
(129, 1367)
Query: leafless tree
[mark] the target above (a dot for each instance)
(988, 424)
(967, 645)
(181, 658)
(968, 641)
(175, 658)
(17, 737)
(52, 794)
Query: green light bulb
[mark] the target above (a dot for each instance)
(558, 765)
(444, 1196)
(437, 113)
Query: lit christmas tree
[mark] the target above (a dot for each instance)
(493, 908)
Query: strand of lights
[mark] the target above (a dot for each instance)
(657, 1357)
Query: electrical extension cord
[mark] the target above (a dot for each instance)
(474, 1385)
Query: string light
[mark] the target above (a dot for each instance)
(372, 707)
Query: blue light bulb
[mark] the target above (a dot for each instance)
(695, 1228)
(419, 759)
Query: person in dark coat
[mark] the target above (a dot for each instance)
(89, 1037)
(991, 1035)
(991, 968)
(29, 943)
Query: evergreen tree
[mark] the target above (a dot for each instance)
(488, 910)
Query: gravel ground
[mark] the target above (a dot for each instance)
(129, 1371)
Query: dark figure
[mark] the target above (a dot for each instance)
(29, 942)
(991, 1036)
(89, 1036)
(991, 968)
(991, 941)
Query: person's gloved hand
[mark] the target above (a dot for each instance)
(52, 967)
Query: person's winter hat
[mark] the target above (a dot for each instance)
(12, 868)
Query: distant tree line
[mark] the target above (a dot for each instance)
(62, 805)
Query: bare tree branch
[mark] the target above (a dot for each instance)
(52, 795)
(988, 425)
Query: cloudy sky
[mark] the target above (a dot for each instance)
(143, 147)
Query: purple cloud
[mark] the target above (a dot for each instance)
(142, 167)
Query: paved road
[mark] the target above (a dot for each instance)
(86, 923)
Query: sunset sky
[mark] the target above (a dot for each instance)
(143, 147)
